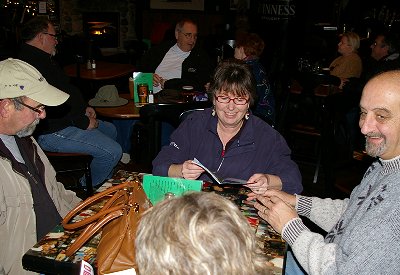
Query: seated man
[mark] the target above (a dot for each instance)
(72, 127)
(384, 55)
(32, 202)
(362, 232)
(178, 63)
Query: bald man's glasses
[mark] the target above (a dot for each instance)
(38, 109)
(189, 35)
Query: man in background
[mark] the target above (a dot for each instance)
(32, 202)
(72, 127)
(384, 55)
(178, 63)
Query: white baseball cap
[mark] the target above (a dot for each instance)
(18, 78)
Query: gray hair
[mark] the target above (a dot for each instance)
(197, 233)
(33, 27)
(18, 106)
(181, 23)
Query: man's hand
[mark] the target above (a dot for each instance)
(275, 210)
(90, 112)
(158, 80)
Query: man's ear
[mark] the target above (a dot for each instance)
(5, 107)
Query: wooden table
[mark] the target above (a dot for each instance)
(127, 111)
(104, 71)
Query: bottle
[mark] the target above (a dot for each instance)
(151, 97)
(94, 64)
(88, 65)
(188, 93)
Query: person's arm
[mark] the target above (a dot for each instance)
(369, 248)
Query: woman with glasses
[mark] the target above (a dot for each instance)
(229, 140)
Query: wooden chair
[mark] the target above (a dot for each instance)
(69, 163)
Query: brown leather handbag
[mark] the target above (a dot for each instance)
(118, 220)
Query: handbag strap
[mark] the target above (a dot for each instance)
(89, 201)
(91, 230)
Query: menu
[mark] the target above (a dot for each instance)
(157, 187)
(216, 178)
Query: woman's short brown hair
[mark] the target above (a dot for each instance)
(234, 76)
(252, 44)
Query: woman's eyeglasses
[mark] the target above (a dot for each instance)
(38, 109)
(236, 100)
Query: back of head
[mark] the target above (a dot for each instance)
(353, 39)
(33, 27)
(234, 76)
(198, 233)
(252, 44)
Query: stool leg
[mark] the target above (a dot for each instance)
(88, 177)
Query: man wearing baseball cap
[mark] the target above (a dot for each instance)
(32, 202)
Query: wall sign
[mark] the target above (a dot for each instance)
(276, 10)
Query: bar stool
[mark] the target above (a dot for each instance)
(65, 163)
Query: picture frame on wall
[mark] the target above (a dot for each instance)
(177, 4)
(239, 4)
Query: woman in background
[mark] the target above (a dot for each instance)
(348, 64)
(249, 48)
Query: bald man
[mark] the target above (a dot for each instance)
(362, 231)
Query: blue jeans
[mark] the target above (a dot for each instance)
(292, 267)
(124, 129)
(100, 143)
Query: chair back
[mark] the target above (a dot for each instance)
(152, 115)
(185, 114)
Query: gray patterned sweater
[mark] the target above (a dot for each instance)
(363, 231)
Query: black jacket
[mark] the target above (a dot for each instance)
(73, 111)
(197, 68)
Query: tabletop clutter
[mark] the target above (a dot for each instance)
(141, 91)
(79, 243)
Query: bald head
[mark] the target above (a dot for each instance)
(380, 115)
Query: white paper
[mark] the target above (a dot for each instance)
(130, 271)
(219, 181)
